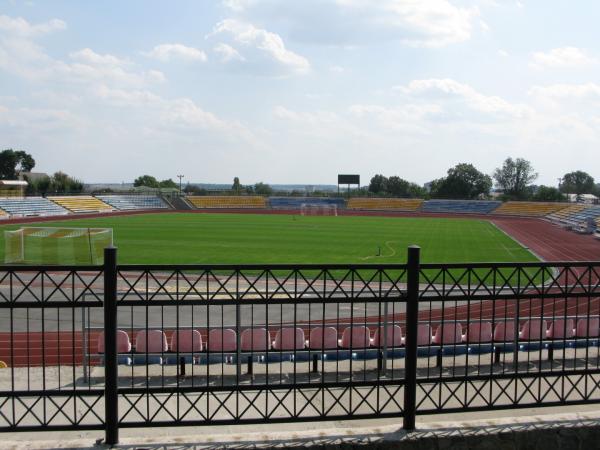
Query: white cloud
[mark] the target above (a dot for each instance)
(169, 52)
(435, 23)
(88, 56)
(564, 91)
(443, 90)
(20, 27)
(563, 57)
(417, 23)
(21, 55)
(268, 44)
(227, 53)
(37, 120)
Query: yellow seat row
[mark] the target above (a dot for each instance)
(82, 203)
(228, 201)
(565, 212)
(403, 204)
(537, 209)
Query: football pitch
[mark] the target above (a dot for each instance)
(190, 238)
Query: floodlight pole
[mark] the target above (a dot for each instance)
(180, 177)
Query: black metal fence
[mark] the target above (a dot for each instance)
(129, 346)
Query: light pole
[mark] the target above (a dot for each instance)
(180, 177)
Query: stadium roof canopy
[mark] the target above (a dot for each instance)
(13, 183)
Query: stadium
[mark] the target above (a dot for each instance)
(306, 299)
(266, 224)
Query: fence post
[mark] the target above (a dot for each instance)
(412, 318)
(111, 400)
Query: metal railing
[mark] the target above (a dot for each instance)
(163, 345)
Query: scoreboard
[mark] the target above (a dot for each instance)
(349, 179)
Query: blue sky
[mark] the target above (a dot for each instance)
(297, 92)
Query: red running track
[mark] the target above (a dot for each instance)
(549, 242)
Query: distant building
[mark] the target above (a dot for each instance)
(588, 199)
(12, 188)
(33, 176)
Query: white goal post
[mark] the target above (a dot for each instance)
(51, 245)
(315, 209)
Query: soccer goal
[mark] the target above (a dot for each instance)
(308, 209)
(50, 245)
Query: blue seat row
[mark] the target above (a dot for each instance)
(460, 206)
(297, 202)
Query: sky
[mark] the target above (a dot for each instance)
(296, 92)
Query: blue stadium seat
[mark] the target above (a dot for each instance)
(460, 206)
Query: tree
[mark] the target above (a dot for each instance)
(577, 182)
(416, 191)
(146, 180)
(236, 185)
(378, 184)
(397, 187)
(464, 181)
(514, 177)
(14, 162)
(38, 186)
(61, 183)
(168, 184)
(263, 189)
(548, 194)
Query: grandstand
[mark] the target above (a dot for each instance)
(232, 201)
(81, 204)
(31, 206)
(295, 203)
(396, 204)
(133, 202)
(563, 216)
(461, 206)
(580, 218)
(533, 209)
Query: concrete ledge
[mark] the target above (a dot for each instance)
(565, 431)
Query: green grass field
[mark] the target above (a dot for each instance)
(264, 239)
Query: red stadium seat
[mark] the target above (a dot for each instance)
(289, 339)
(222, 340)
(255, 339)
(393, 338)
(533, 329)
(478, 332)
(448, 333)
(504, 331)
(562, 328)
(424, 334)
(152, 341)
(186, 341)
(123, 342)
(323, 338)
(588, 327)
(357, 336)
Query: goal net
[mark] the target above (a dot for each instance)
(308, 209)
(49, 245)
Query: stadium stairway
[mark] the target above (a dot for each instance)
(180, 203)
